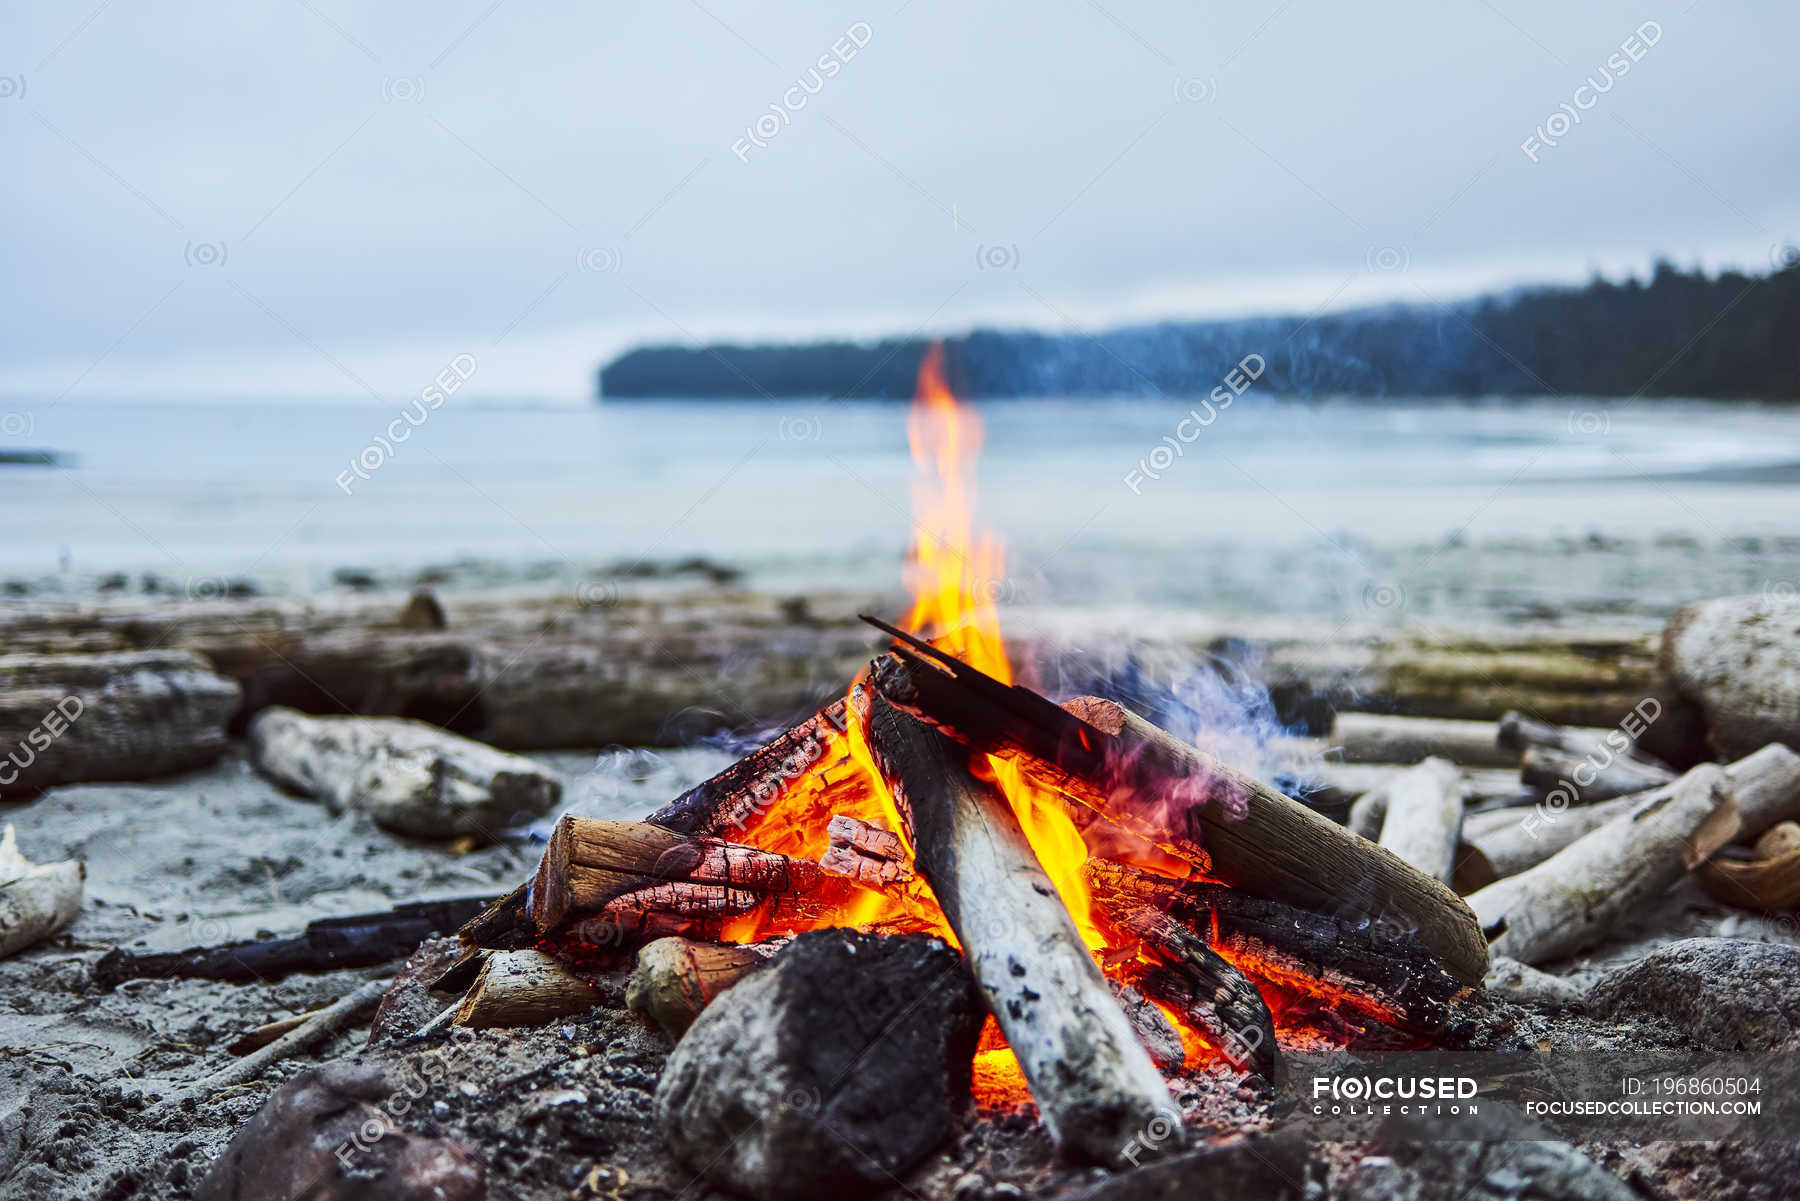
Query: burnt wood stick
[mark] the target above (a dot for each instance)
(733, 800)
(1380, 972)
(354, 940)
(1119, 764)
(1210, 993)
(589, 863)
(1584, 779)
(1091, 1077)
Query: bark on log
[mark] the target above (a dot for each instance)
(675, 979)
(629, 868)
(68, 719)
(1384, 738)
(1578, 895)
(523, 988)
(1243, 831)
(408, 776)
(1378, 971)
(1205, 989)
(1588, 778)
(1765, 785)
(1092, 1079)
(1423, 824)
(36, 899)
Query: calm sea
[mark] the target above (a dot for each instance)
(1503, 508)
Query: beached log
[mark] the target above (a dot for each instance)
(327, 944)
(1341, 785)
(1423, 823)
(1213, 996)
(36, 899)
(1520, 732)
(1765, 785)
(1377, 970)
(592, 866)
(1588, 778)
(134, 715)
(523, 988)
(1184, 801)
(1093, 1081)
(1385, 738)
(676, 979)
(1578, 895)
(408, 776)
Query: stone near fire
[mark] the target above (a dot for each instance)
(410, 777)
(1737, 660)
(827, 1075)
(1726, 994)
(133, 715)
(328, 1135)
(1241, 1168)
(1507, 1157)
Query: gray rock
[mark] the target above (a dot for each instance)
(1737, 659)
(330, 1134)
(829, 1074)
(1250, 1168)
(1724, 994)
(1513, 1157)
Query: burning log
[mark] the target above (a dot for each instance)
(639, 878)
(1384, 738)
(865, 853)
(1587, 778)
(1212, 995)
(1424, 817)
(408, 776)
(1577, 895)
(36, 899)
(523, 988)
(1379, 971)
(1109, 758)
(676, 979)
(1092, 1079)
(1159, 1036)
(733, 798)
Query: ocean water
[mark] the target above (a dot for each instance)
(1503, 508)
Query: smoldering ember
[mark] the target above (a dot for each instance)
(327, 900)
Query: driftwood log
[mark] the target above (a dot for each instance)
(36, 899)
(1149, 782)
(1332, 784)
(1578, 895)
(1765, 785)
(623, 883)
(676, 979)
(523, 988)
(1092, 1079)
(1519, 732)
(1376, 970)
(1423, 822)
(132, 715)
(1596, 776)
(408, 776)
(1385, 738)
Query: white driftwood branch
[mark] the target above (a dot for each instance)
(1383, 738)
(1424, 817)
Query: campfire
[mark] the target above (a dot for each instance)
(1131, 907)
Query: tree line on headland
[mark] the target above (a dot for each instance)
(1730, 336)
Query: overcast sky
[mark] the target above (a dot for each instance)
(319, 197)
